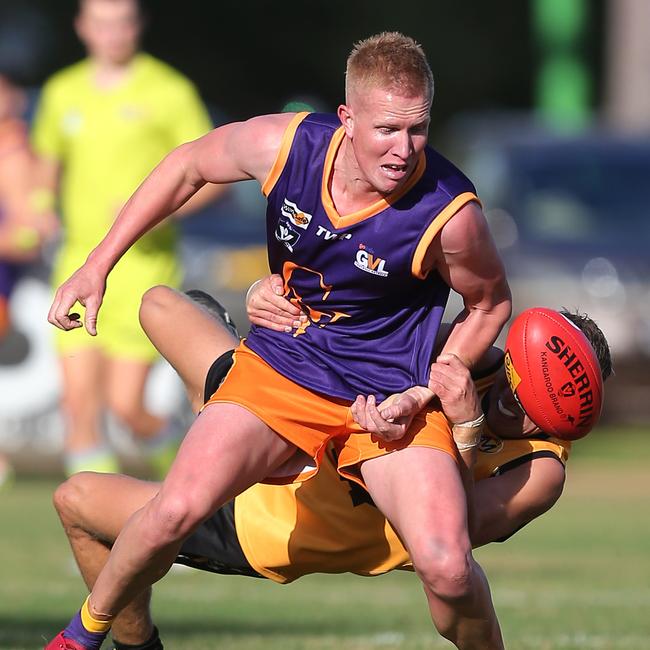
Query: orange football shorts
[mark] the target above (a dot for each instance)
(309, 420)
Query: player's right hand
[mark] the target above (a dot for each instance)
(86, 286)
(451, 381)
(267, 307)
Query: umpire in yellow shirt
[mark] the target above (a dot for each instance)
(102, 124)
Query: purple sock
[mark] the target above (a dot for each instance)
(77, 632)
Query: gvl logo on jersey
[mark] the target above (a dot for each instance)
(295, 214)
(286, 234)
(368, 262)
(332, 236)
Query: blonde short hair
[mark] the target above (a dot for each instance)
(389, 60)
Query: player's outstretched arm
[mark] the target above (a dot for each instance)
(466, 257)
(230, 153)
(505, 503)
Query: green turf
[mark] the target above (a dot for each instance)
(577, 578)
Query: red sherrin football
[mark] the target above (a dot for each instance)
(554, 373)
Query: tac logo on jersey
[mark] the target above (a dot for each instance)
(285, 234)
(490, 444)
(369, 262)
(295, 215)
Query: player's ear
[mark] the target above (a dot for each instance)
(347, 120)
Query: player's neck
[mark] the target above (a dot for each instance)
(349, 189)
(108, 75)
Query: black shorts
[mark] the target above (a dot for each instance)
(214, 546)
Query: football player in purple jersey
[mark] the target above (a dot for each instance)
(370, 229)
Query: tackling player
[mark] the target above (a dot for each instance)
(284, 532)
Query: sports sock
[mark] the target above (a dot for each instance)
(87, 630)
(95, 459)
(154, 643)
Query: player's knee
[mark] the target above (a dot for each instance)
(445, 570)
(154, 303)
(70, 495)
(173, 518)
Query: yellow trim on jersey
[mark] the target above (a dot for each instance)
(283, 153)
(335, 218)
(417, 266)
(494, 453)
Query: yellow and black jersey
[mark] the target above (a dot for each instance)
(329, 524)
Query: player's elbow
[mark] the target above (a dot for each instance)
(548, 490)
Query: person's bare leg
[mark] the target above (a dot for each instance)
(83, 392)
(82, 376)
(420, 492)
(93, 509)
(226, 450)
(185, 334)
(125, 384)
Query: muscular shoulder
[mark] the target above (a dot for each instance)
(467, 225)
(241, 150)
(463, 233)
(265, 136)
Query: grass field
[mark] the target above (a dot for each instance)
(577, 578)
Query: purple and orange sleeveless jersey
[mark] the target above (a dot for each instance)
(373, 309)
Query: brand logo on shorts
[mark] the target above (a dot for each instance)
(295, 215)
(369, 262)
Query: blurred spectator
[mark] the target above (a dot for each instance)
(101, 125)
(26, 219)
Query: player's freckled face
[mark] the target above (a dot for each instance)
(388, 131)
